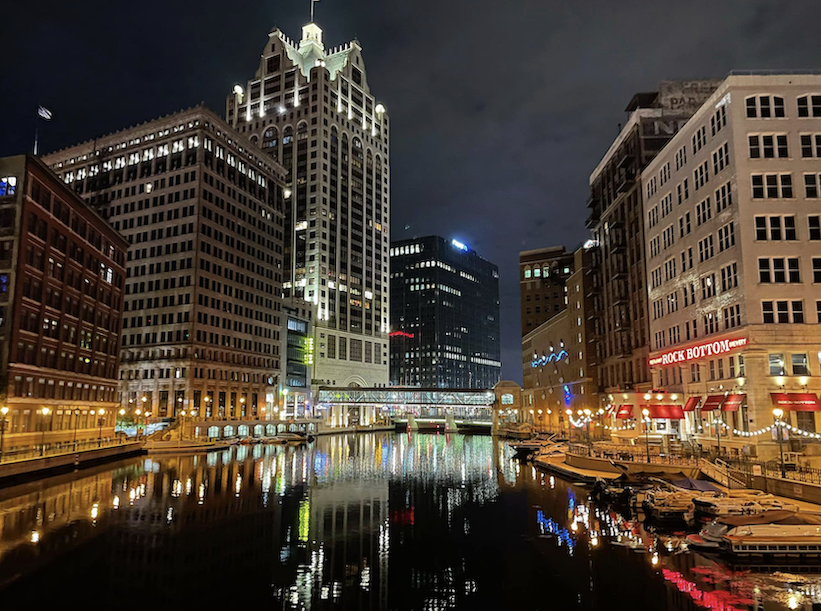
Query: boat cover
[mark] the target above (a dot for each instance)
(773, 516)
(689, 483)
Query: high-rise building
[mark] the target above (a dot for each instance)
(202, 208)
(735, 265)
(543, 275)
(618, 262)
(559, 357)
(445, 313)
(311, 108)
(62, 270)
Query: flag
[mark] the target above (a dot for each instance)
(44, 113)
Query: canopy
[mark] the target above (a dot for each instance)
(732, 403)
(689, 483)
(796, 401)
(664, 411)
(712, 402)
(691, 404)
(625, 412)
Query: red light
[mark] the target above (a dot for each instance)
(400, 334)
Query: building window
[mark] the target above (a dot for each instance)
(811, 186)
(814, 224)
(726, 237)
(764, 107)
(783, 312)
(772, 186)
(809, 105)
(816, 269)
(729, 277)
(724, 197)
(777, 365)
(732, 316)
(800, 365)
(810, 145)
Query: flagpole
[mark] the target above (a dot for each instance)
(36, 136)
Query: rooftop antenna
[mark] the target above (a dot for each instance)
(312, 9)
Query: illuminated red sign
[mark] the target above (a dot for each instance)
(700, 351)
(400, 334)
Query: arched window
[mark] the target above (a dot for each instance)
(287, 135)
(302, 131)
(809, 105)
(270, 138)
(527, 272)
(764, 106)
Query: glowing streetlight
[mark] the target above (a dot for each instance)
(778, 413)
(646, 413)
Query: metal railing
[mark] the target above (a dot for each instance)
(772, 468)
(34, 453)
(631, 455)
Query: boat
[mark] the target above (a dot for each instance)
(772, 534)
(740, 505)
(527, 448)
(669, 505)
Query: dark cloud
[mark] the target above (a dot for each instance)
(500, 110)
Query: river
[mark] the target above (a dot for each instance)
(376, 521)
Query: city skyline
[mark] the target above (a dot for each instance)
(588, 53)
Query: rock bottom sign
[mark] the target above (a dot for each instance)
(700, 351)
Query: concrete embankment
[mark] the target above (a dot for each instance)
(30, 468)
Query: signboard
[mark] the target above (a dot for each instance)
(507, 399)
(699, 351)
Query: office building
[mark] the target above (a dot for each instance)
(62, 270)
(543, 276)
(445, 313)
(298, 342)
(618, 262)
(311, 108)
(735, 265)
(202, 208)
(559, 365)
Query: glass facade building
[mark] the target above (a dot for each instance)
(445, 315)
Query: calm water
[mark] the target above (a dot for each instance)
(372, 521)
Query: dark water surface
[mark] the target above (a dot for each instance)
(370, 521)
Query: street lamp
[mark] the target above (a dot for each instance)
(569, 413)
(587, 414)
(100, 421)
(717, 421)
(646, 413)
(137, 413)
(3, 421)
(778, 413)
(45, 412)
(182, 428)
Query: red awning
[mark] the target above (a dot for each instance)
(732, 403)
(625, 412)
(796, 401)
(664, 411)
(712, 402)
(690, 406)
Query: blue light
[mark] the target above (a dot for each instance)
(553, 356)
(459, 245)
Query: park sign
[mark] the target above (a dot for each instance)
(699, 351)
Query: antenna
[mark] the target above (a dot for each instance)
(312, 9)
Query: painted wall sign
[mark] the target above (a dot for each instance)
(700, 351)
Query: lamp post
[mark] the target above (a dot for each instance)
(182, 428)
(717, 423)
(3, 421)
(778, 413)
(646, 413)
(138, 412)
(44, 412)
(569, 413)
(207, 400)
(100, 421)
(587, 414)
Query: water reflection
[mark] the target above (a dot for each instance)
(372, 521)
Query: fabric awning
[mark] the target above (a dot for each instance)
(664, 411)
(712, 402)
(625, 412)
(796, 401)
(691, 404)
(732, 403)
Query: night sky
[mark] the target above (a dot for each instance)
(500, 110)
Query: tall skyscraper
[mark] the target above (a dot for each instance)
(202, 208)
(618, 262)
(311, 108)
(543, 275)
(445, 313)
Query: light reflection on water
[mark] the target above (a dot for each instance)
(370, 521)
